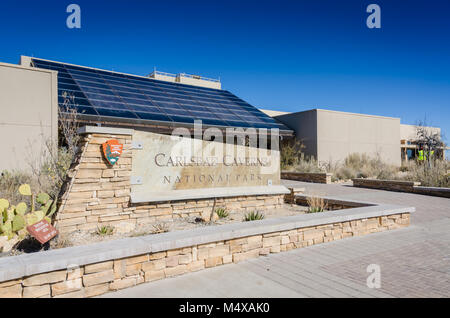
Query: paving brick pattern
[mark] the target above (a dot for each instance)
(414, 261)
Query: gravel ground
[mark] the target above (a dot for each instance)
(82, 238)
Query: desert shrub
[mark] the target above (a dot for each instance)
(363, 166)
(307, 165)
(47, 174)
(54, 170)
(345, 173)
(316, 204)
(253, 216)
(290, 154)
(435, 176)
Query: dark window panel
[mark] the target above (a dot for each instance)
(105, 104)
(153, 116)
(105, 98)
(182, 119)
(90, 84)
(136, 101)
(140, 108)
(116, 113)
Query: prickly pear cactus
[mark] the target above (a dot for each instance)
(21, 208)
(42, 198)
(15, 219)
(25, 189)
(4, 204)
(18, 223)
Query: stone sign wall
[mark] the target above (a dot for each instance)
(99, 194)
(164, 165)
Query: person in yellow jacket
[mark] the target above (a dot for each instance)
(421, 156)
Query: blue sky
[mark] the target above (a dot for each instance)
(281, 55)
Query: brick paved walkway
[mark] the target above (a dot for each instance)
(414, 262)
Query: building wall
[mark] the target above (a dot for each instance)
(331, 135)
(29, 113)
(305, 126)
(340, 134)
(408, 132)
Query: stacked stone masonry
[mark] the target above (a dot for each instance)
(307, 177)
(99, 194)
(96, 279)
(401, 186)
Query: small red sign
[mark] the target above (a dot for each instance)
(112, 151)
(42, 231)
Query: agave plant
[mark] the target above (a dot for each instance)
(253, 216)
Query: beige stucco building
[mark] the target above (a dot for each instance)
(332, 135)
(29, 114)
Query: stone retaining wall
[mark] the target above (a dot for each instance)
(401, 186)
(307, 177)
(438, 192)
(95, 279)
(332, 204)
(98, 194)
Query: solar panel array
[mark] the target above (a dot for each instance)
(108, 94)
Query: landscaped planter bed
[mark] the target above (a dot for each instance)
(90, 270)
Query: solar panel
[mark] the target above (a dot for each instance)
(120, 96)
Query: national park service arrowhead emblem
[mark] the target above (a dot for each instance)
(112, 151)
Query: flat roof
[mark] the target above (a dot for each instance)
(339, 112)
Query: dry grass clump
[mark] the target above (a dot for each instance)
(316, 204)
(10, 181)
(308, 165)
(60, 241)
(160, 228)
